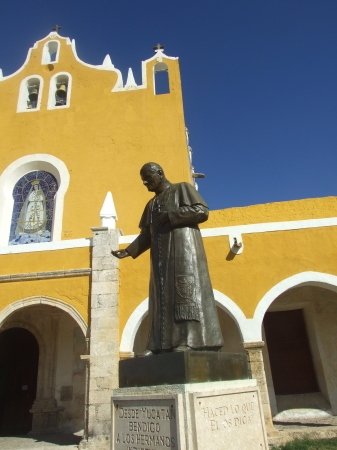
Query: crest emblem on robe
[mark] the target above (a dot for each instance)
(185, 286)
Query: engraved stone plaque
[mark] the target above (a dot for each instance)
(144, 424)
(232, 420)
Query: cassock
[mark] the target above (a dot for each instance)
(182, 309)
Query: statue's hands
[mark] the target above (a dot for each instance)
(162, 219)
(120, 253)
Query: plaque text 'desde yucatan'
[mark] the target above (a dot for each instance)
(144, 424)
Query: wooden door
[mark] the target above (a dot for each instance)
(19, 356)
(289, 353)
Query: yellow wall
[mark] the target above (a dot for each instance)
(103, 138)
(73, 290)
(267, 258)
(310, 208)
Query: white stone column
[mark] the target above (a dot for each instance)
(255, 358)
(104, 348)
(45, 410)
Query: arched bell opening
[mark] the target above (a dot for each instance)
(161, 79)
(58, 405)
(300, 356)
(19, 359)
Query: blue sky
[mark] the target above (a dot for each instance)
(259, 81)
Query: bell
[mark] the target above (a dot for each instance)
(62, 91)
(33, 94)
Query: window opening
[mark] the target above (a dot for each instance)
(33, 209)
(61, 90)
(50, 52)
(161, 79)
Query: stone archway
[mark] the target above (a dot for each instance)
(59, 403)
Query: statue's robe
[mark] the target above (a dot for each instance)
(182, 309)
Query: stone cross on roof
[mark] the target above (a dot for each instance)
(56, 28)
(158, 47)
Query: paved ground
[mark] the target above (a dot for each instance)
(40, 442)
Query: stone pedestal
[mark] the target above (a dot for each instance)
(198, 416)
(183, 367)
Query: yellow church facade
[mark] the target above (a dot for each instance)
(74, 137)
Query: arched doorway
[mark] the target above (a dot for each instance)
(19, 358)
(300, 361)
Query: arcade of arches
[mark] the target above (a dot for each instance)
(299, 354)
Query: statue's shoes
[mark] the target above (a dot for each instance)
(182, 348)
(146, 353)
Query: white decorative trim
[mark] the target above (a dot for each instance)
(130, 82)
(41, 300)
(108, 213)
(53, 87)
(107, 63)
(318, 279)
(10, 177)
(51, 35)
(269, 227)
(232, 309)
(23, 95)
(132, 325)
(46, 246)
(238, 230)
(27, 276)
(158, 56)
(46, 53)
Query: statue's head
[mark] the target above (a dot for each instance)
(153, 176)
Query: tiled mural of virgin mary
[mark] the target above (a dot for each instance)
(33, 208)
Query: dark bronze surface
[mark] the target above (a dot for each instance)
(182, 311)
(183, 367)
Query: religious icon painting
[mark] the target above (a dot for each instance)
(33, 209)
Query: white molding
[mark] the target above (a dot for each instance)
(238, 230)
(46, 246)
(23, 95)
(52, 91)
(132, 325)
(232, 309)
(28, 276)
(23, 65)
(10, 177)
(130, 82)
(42, 300)
(318, 279)
(158, 56)
(269, 227)
(108, 213)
